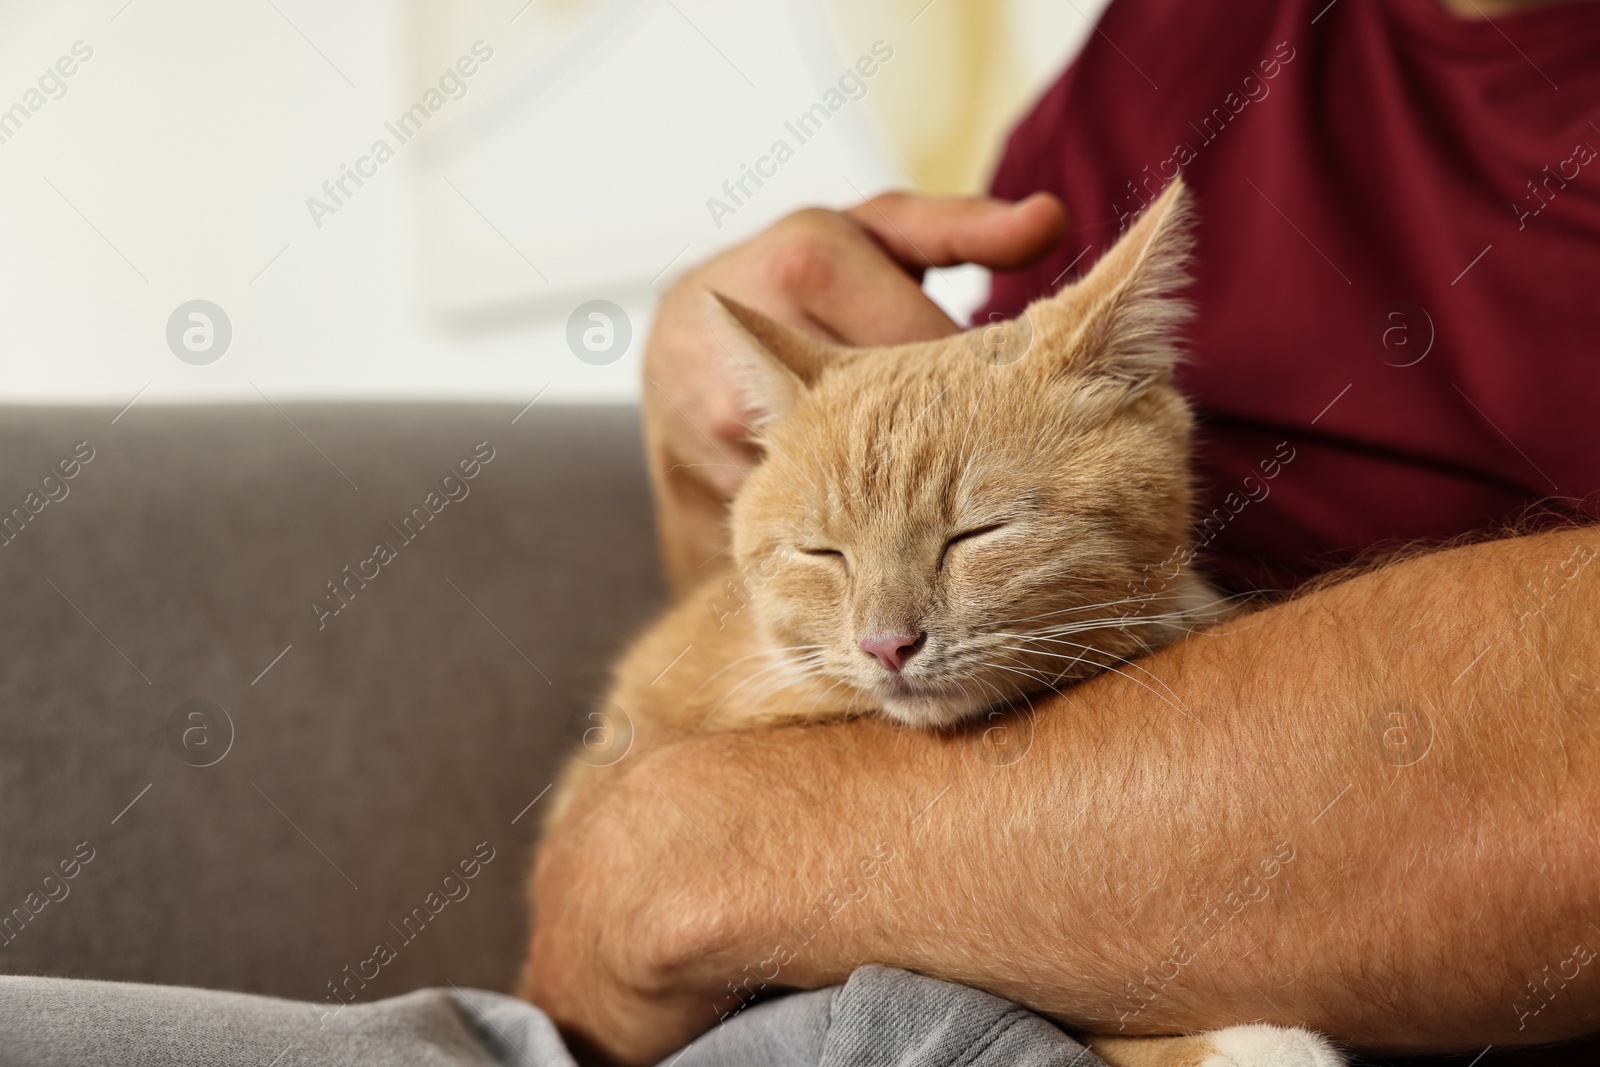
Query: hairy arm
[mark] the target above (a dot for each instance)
(1232, 829)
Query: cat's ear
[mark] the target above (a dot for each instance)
(775, 364)
(1120, 321)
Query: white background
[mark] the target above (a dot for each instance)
(178, 164)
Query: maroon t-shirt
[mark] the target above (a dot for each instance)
(1398, 272)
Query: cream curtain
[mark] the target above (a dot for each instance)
(965, 71)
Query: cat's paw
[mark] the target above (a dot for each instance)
(1258, 1045)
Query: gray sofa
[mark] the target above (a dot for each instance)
(373, 757)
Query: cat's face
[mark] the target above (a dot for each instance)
(941, 533)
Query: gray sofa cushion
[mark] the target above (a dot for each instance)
(372, 759)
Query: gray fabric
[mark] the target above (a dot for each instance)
(880, 1017)
(383, 748)
(888, 1016)
(883, 1016)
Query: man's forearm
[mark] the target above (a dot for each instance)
(1370, 810)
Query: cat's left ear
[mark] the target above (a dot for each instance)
(774, 363)
(1120, 321)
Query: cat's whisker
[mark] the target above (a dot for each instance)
(1071, 644)
(960, 686)
(1034, 676)
(775, 683)
(1172, 700)
(780, 655)
(1127, 632)
(1067, 669)
(1141, 600)
(819, 698)
(1137, 637)
(999, 696)
(1087, 626)
(779, 651)
(1117, 621)
(784, 666)
(785, 672)
(1074, 658)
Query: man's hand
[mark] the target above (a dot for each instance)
(851, 276)
(602, 960)
(654, 898)
(1373, 810)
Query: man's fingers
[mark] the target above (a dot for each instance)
(925, 231)
(818, 272)
(873, 302)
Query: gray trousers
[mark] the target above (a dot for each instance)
(880, 1017)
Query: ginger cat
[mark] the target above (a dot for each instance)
(942, 527)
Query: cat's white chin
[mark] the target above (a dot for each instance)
(930, 709)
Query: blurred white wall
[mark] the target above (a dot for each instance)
(176, 163)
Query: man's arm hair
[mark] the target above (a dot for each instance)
(1370, 809)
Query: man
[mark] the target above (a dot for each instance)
(1378, 817)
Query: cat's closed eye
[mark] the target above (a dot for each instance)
(833, 552)
(968, 535)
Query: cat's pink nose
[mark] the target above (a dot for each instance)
(892, 650)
